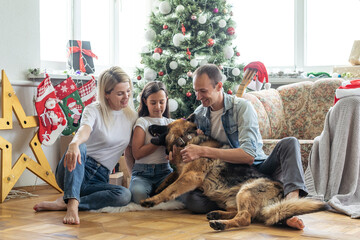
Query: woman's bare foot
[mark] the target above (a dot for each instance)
(56, 205)
(72, 213)
(294, 222)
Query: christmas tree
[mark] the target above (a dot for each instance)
(182, 35)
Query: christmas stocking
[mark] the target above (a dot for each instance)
(88, 92)
(51, 118)
(70, 103)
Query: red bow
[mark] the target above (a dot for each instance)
(183, 29)
(75, 49)
(188, 52)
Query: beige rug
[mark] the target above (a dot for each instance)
(132, 207)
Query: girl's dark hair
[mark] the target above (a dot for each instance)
(150, 88)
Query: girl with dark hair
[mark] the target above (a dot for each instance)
(151, 165)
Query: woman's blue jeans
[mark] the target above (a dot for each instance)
(89, 184)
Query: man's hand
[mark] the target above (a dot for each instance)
(72, 156)
(191, 152)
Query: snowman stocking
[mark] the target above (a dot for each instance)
(70, 103)
(51, 118)
(88, 92)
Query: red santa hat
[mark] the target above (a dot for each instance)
(347, 88)
(70, 100)
(261, 70)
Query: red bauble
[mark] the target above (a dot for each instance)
(230, 31)
(188, 94)
(230, 92)
(165, 27)
(237, 54)
(158, 50)
(210, 42)
(161, 73)
(139, 77)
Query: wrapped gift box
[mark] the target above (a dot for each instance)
(80, 56)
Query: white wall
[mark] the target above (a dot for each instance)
(19, 51)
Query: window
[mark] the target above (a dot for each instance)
(296, 35)
(115, 29)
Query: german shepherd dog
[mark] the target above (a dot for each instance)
(246, 194)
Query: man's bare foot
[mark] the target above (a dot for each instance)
(72, 213)
(56, 205)
(294, 222)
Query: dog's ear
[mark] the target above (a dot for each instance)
(191, 118)
(159, 134)
(156, 130)
(159, 140)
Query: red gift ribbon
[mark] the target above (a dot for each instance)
(75, 49)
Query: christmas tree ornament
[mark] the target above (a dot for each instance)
(203, 62)
(202, 19)
(145, 49)
(180, 8)
(223, 78)
(210, 42)
(173, 105)
(225, 11)
(216, 10)
(182, 81)
(238, 54)
(52, 120)
(222, 23)
(235, 72)
(230, 31)
(161, 73)
(178, 39)
(193, 17)
(189, 73)
(194, 63)
(165, 26)
(188, 94)
(231, 13)
(87, 92)
(221, 67)
(158, 50)
(188, 53)
(228, 52)
(150, 35)
(139, 77)
(183, 30)
(173, 65)
(156, 56)
(165, 7)
(149, 74)
(70, 103)
(229, 92)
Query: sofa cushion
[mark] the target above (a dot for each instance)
(272, 104)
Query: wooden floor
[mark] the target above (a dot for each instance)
(19, 221)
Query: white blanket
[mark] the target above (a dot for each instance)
(132, 207)
(333, 173)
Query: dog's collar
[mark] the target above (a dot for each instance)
(182, 141)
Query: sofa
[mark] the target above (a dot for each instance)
(297, 110)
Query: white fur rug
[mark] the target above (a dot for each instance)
(132, 207)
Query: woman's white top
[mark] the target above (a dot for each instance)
(159, 156)
(106, 145)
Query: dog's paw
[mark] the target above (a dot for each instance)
(213, 215)
(216, 225)
(147, 203)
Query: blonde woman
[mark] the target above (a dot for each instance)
(103, 136)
